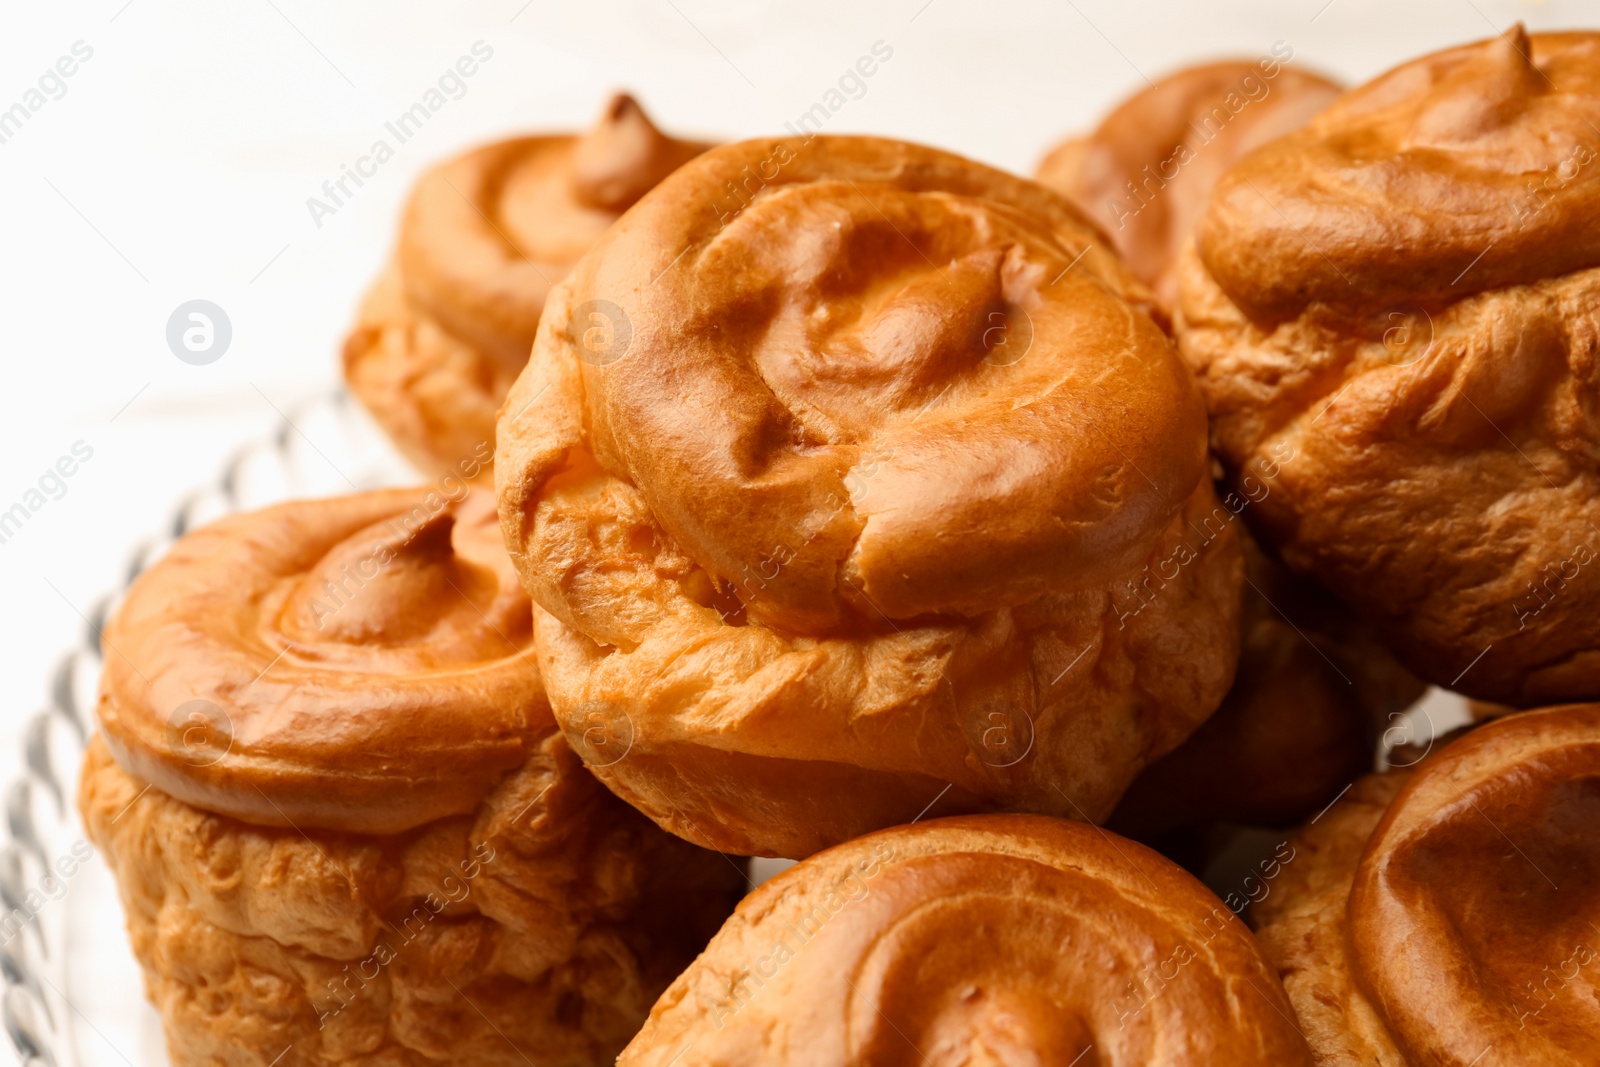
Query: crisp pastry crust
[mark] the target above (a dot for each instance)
(363, 663)
(1313, 694)
(447, 327)
(537, 929)
(1145, 173)
(342, 818)
(1393, 317)
(434, 394)
(817, 547)
(1447, 914)
(977, 940)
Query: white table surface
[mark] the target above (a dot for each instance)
(178, 160)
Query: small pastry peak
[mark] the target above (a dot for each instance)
(1485, 94)
(940, 323)
(623, 156)
(383, 585)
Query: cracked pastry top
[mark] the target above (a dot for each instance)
(851, 476)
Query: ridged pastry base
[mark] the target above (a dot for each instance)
(537, 930)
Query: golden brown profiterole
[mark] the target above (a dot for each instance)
(1390, 312)
(881, 492)
(999, 939)
(342, 820)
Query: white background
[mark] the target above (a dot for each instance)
(178, 163)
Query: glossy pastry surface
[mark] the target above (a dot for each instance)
(977, 940)
(1445, 913)
(363, 663)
